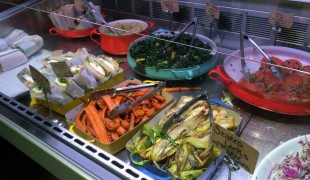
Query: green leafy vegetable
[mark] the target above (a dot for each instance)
(176, 54)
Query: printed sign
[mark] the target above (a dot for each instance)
(281, 19)
(40, 79)
(61, 69)
(245, 155)
(213, 10)
(170, 5)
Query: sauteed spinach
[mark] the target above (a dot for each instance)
(149, 53)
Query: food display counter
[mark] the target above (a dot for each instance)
(29, 126)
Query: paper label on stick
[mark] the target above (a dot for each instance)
(61, 69)
(245, 155)
(170, 5)
(40, 79)
(213, 10)
(281, 19)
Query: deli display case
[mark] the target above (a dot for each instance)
(67, 67)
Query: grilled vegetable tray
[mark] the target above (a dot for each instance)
(155, 172)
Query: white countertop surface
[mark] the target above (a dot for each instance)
(10, 85)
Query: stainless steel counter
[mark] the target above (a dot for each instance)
(262, 129)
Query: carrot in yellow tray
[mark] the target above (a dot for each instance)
(108, 101)
(98, 126)
(93, 120)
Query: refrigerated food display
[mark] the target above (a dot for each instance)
(45, 136)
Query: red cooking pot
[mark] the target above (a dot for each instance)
(118, 44)
(77, 33)
(230, 74)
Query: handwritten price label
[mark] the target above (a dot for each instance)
(40, 79)
(213, 10)
(61, 69)
(245, 155)
(281, 19)
(170, 5)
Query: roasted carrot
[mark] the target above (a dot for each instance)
(104, 111)
(159, 98)
(79, 120)
(125, 124)
(137, 94)
(117, 121)
(144, 118)
(138, 111)
(176, 89)
(118, 99)
(157, 105)
(108, 101)
(120, 131)
(97, 125)
(138, 119)
(150, 112)
(114, 136)
(100, 104)
(110, 125)
(132, 121)
(90, 129)
(130, 83)
(101, 116)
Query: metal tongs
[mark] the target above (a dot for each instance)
(96, 95)
(194, 22)
(276, 71)
(175, 117)
(98, 15)
(129, 105)
(245, 71)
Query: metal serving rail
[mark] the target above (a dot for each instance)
(69, 156)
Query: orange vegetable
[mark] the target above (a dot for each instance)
(176, 89)
(108, 101)
(120, 130)
(125, 124)
(97, 125)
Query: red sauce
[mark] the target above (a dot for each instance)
(295, 86)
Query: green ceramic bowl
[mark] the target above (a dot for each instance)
(174, 74)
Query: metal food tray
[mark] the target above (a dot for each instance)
(157, 173)
(120, 143)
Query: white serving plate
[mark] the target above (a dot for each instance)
(275, 156)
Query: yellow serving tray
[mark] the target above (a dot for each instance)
(120, 143)
(62, 109)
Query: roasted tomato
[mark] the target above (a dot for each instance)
(306, 68)
(295, 86)
(254, 87)
(275, 60)
(291, 82)
(291, 63)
